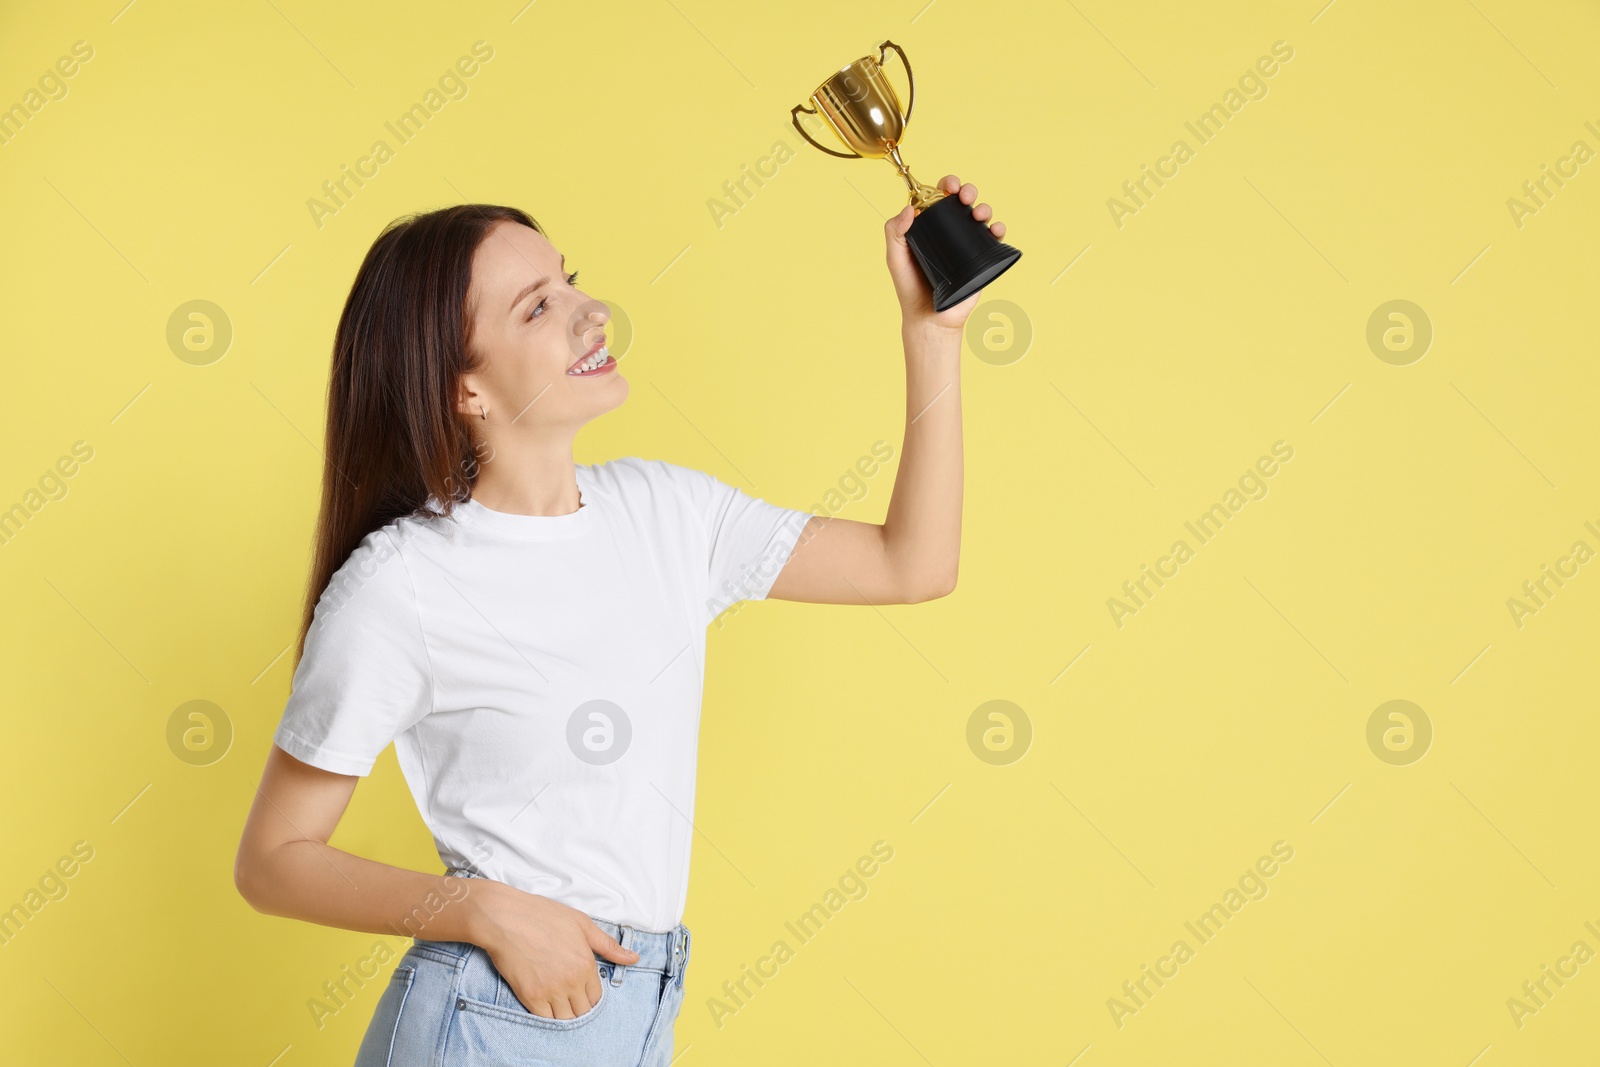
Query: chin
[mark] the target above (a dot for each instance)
(618, 392)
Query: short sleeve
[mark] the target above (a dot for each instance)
(364, 677)
(748, 540)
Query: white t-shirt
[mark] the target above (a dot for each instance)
(541, 676)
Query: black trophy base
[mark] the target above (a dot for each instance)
(957, 253)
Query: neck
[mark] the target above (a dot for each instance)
(528, 476)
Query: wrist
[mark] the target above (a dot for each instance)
(926, 323)
(928, 337)
(478, 910)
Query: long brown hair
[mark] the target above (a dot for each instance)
(394, 435)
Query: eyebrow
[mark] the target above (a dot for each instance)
(531, 288)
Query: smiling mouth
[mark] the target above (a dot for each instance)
(596, 361)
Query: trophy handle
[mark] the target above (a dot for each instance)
(910, 81)
(794, 113)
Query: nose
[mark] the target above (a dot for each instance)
(591, 318)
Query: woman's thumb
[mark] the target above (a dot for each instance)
(608, 946)
(896, 227)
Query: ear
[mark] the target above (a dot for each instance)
(468, 398)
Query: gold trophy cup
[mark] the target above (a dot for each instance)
(957, 253)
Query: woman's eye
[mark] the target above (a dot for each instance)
(538, 309)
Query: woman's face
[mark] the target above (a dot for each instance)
(537, 335)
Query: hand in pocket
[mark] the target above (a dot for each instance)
(544, 950)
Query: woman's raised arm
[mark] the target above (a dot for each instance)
(914, 554)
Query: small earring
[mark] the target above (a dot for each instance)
(484, 413)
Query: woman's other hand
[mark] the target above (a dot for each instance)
(543, 949)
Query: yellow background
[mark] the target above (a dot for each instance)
(1229, 313)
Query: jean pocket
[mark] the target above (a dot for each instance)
(507, 1008)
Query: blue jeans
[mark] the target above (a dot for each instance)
(447, 1006)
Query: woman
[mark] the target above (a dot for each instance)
(530, 633)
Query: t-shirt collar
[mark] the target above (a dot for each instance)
(474, 515)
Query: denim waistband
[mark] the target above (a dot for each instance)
(664, 951)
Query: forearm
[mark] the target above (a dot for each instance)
(922, 529)
(315, 882)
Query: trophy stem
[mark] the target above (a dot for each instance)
(922, 196)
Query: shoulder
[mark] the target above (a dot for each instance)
(635, 477)
(637, 470)
(374, 582)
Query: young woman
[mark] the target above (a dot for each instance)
(530, 633)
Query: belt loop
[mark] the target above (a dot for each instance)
(675, 964)
(617, 969)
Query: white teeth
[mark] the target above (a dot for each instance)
(592, 362)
